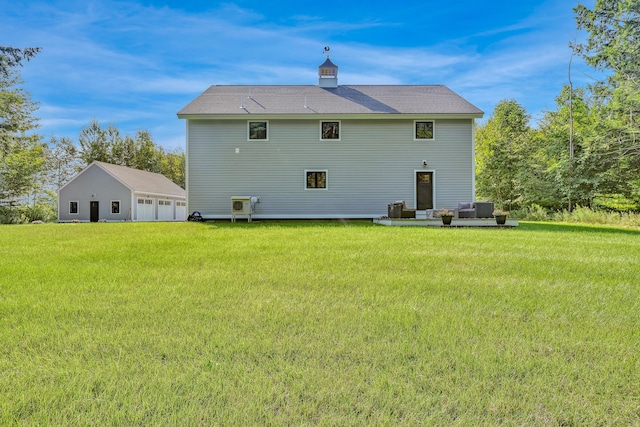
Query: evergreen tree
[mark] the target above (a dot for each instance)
(21, 150)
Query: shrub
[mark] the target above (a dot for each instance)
(27, 214)
(531, 213)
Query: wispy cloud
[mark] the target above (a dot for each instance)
(139, 64)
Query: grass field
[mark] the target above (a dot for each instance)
(318, 324)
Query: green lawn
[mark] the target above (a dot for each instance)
(300, 323)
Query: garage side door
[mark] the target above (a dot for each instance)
(145, 209)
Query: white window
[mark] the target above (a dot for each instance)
(115, 206)
(258, 130)
(73, 207)
(330, 130)
(423, 130)
(316, 179)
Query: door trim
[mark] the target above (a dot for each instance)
(415, 186)
(92, 217)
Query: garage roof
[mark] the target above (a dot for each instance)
(138, 180)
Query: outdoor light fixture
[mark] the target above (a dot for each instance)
(424, 163)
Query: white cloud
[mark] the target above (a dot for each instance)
(138, 65)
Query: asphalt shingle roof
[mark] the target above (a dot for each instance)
(143, 181)
(348, 99)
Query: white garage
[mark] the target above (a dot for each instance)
(106, 192)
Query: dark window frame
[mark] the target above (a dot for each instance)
(253, 131)
(424, 127)
(330, 130)
(316, 179)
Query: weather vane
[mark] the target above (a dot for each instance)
(326, 50)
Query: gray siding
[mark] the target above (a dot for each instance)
(372, 165)
(94, 181)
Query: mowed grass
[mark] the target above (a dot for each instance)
(300, 323)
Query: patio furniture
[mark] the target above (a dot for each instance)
(399, 209)
(466, 210)
(482, 209)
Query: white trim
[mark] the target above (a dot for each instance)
(249, 131)
(364, 215)
(77, 202)
(473, 159)
(415, 122)
(158, 196)
(326, 179)
(186, 165)
(346, 116)
(111, 207)
(339, 138)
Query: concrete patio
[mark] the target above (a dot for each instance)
(437, 222)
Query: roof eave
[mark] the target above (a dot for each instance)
(353, 116)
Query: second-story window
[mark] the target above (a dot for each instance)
(258, 130)
(330, 130)
(424, 130)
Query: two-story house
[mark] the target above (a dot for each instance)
(328, 151)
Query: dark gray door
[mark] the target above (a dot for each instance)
(95, 210)
(424, 190)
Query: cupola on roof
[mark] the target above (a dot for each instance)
(328, 73)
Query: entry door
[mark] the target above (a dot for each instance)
(94, 211)
(424, 190)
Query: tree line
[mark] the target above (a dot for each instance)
(31, 169)
(586, 152)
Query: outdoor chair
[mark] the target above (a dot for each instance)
(399, 209)
(466, 210)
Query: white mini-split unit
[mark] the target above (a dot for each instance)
(243, 205)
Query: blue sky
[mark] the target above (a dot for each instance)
(136, 63)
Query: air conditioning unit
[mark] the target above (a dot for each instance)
(243, 205)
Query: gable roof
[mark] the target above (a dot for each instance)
(345, 99)
(138, 180)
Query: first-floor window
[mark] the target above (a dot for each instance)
(115, 206)
(316, 180)
(73, 207)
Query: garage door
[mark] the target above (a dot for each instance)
(165, 210)
(145, 210)
(181, 211)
